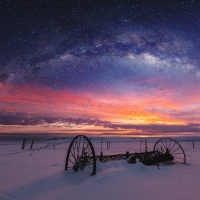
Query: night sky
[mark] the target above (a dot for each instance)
(128, 67)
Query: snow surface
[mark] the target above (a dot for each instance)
(41, 176)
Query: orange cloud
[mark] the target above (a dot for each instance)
(159, 108)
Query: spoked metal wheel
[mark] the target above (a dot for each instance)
(81, 155)
(172, 147)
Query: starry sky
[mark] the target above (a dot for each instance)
(128, 67)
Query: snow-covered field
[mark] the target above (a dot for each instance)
(41, 175)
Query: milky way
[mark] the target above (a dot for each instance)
(92, 65)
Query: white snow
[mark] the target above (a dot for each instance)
(41, 176)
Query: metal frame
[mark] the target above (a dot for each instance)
(77, 157)
(81, 154)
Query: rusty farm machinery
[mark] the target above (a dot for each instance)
(81, 153)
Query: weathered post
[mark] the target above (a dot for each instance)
(32, 144)
(101, 143)
(193, 143)
(140, 145)
(24, 143)
(108, 144)
(101, 154)
(146, 148)
(127, 155)
(101, 157)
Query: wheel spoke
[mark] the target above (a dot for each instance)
(172, 147)
(90, 153)
(177, 153)
(73, 155)
(166, 143)
(163, 144)
(178, 161)
(169, 145)
(78, 146)
(71, 161)
(87, 146)
(83, 148)
(161, 147)
(179, 158)
(175, 150)
(74, 148)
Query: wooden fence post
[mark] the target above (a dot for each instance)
(108, 144)
(24, 143)
(101, 143)
(146, 148)
(140, 144)
(101, 157)
(32, 144)
(127, 155)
